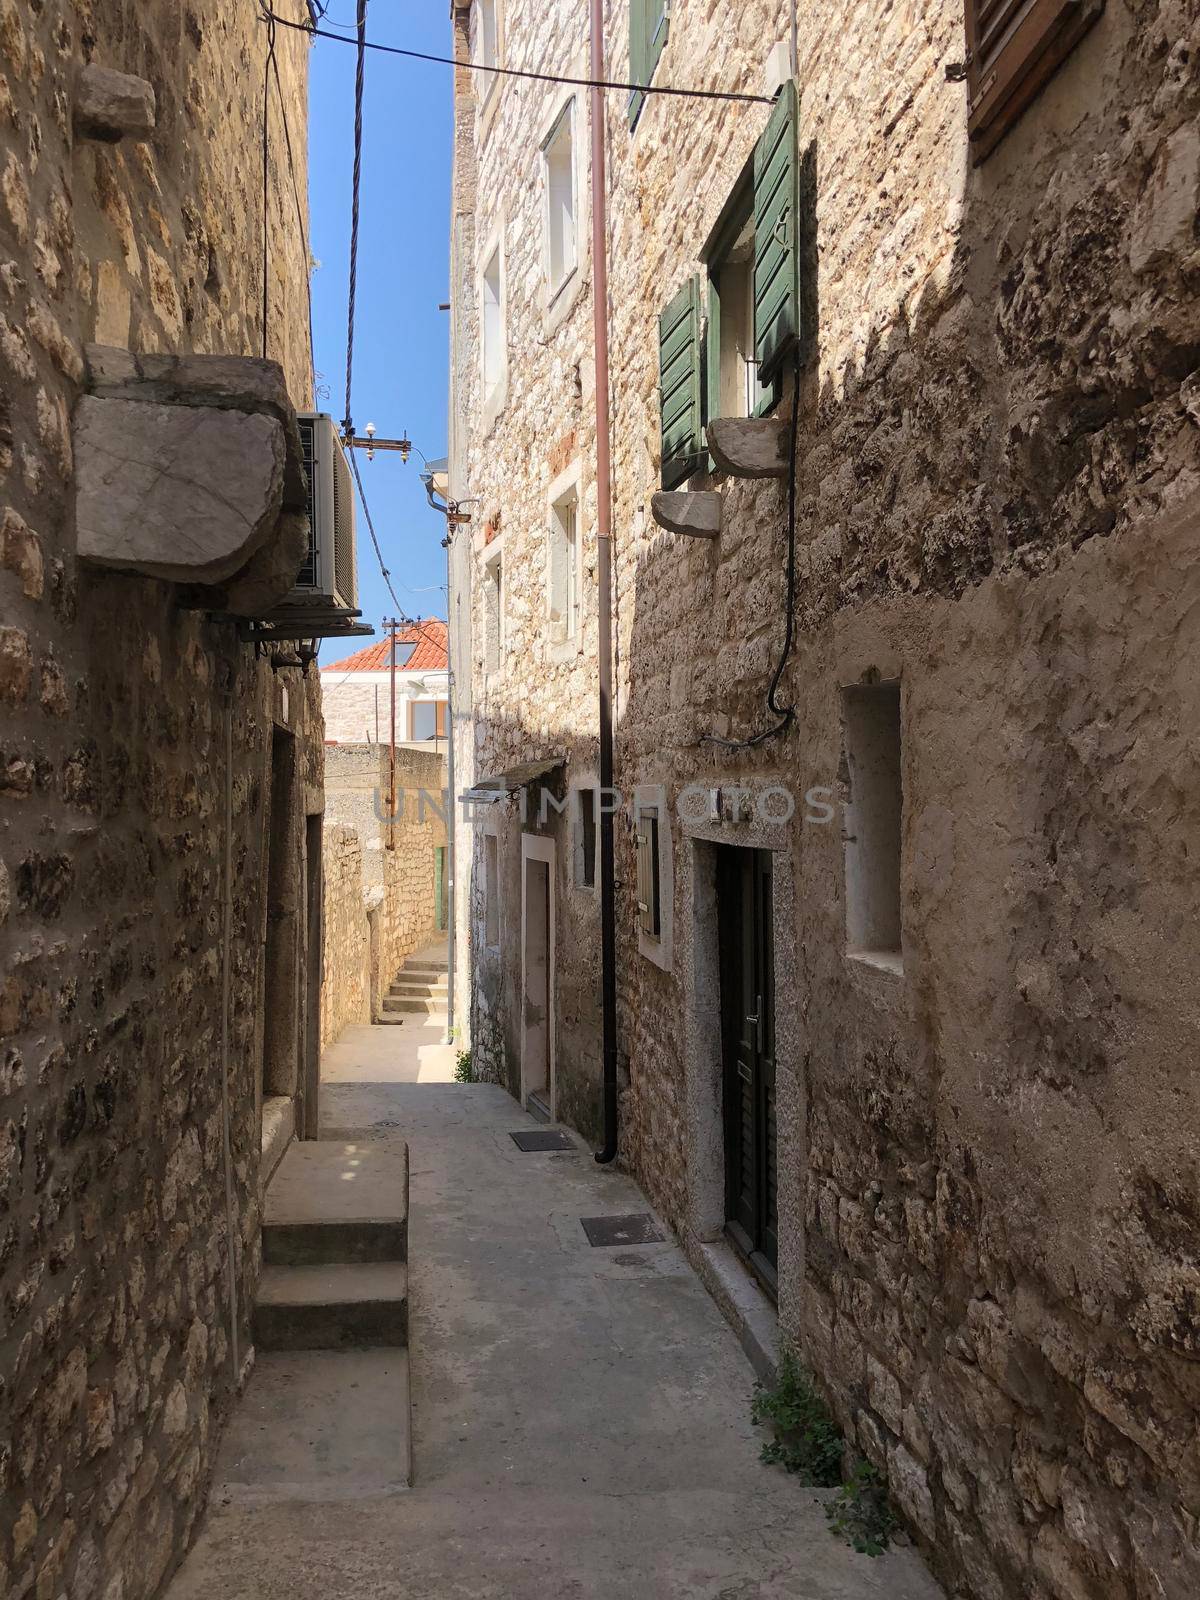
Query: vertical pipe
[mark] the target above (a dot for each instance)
(391, 833)
(608, 901)
(451, 800)
(226, 962)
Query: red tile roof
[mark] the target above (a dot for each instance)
(431, 655)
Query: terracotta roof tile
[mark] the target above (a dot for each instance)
(429, 635)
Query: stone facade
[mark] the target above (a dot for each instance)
(123, 1331)
(386, 899)
(345, 935)
(987, 1174)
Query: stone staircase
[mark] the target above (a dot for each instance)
(335, 1248)
(418, 992)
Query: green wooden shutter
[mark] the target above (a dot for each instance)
(648, 28)
(679, 374)
(777, 236)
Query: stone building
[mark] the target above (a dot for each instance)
(151, 757)
(357, 691)
(387, 882)
(907, 1014)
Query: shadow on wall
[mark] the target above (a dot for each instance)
(995, 510)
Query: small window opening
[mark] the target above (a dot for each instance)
(564, 567)
(559, 156)
(491, 891)
(493, 619)
(648, 872)
(492, 314)
(585, 848)
(874, 813)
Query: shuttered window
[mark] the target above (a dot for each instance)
(648, 26)
(679, 376)
(648, 878)
(777, 237)
(1013, 47)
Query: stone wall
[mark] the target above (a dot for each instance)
(117, 1347)
(987, 1175)
(393, 910)
(346, 936)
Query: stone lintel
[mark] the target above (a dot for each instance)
(696, 513)
(185, 493)
(111, 105)
(226, 383)
(749, 447)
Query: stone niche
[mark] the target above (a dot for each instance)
(189, 469)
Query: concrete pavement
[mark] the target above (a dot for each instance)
(580, 1421)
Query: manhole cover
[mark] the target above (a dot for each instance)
(637, 1228)
(543, 1139)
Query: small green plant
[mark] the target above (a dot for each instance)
(462, 1067)
(860, 1513)
(806, 1440)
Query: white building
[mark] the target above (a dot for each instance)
(357, 691)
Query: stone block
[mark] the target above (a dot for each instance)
(270, 574)
(179, 492)
(112, 105)
(883, 1392)
(910, 1489)
(1164, 219)
(749, 447)
(694, 513)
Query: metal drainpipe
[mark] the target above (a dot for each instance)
(450, 796)
(608, 900)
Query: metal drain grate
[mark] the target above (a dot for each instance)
(543, 1139)
(639, 1227)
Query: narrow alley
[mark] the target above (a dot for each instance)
(599, 800)
(580, 1416)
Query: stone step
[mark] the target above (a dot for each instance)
(360, 1304)
(426, 985)
(427, 1008)
(402, 991)
(332, 1201)
(318, 1425)
(422, 971)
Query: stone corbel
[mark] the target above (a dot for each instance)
(749, 447)
(189, 469)
(112, 105)
(696, 513)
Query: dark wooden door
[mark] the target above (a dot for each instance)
(748, 1040)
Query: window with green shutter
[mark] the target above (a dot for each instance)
(648, 27)
(679, 378)
(777, 236)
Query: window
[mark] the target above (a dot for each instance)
(1013, 48)
(493, 613)
(487, 48)
(564, 567)
(753, 304)
(427, 719)
(558, 156)
(585, 838)
(492, 324)
(649, 878)
(734, 389)
(491, 891)
(648, 28)
(874, 812)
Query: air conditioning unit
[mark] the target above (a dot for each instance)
(329, 576)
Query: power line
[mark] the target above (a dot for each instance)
(359, 82)
(521, 72)
(402, 615)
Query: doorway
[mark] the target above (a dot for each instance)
(537, 975)
(747, 978)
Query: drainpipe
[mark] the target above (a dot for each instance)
(448, 885)
(608, 899)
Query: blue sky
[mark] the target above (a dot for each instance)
(401, 338)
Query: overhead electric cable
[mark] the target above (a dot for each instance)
(522, 72)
